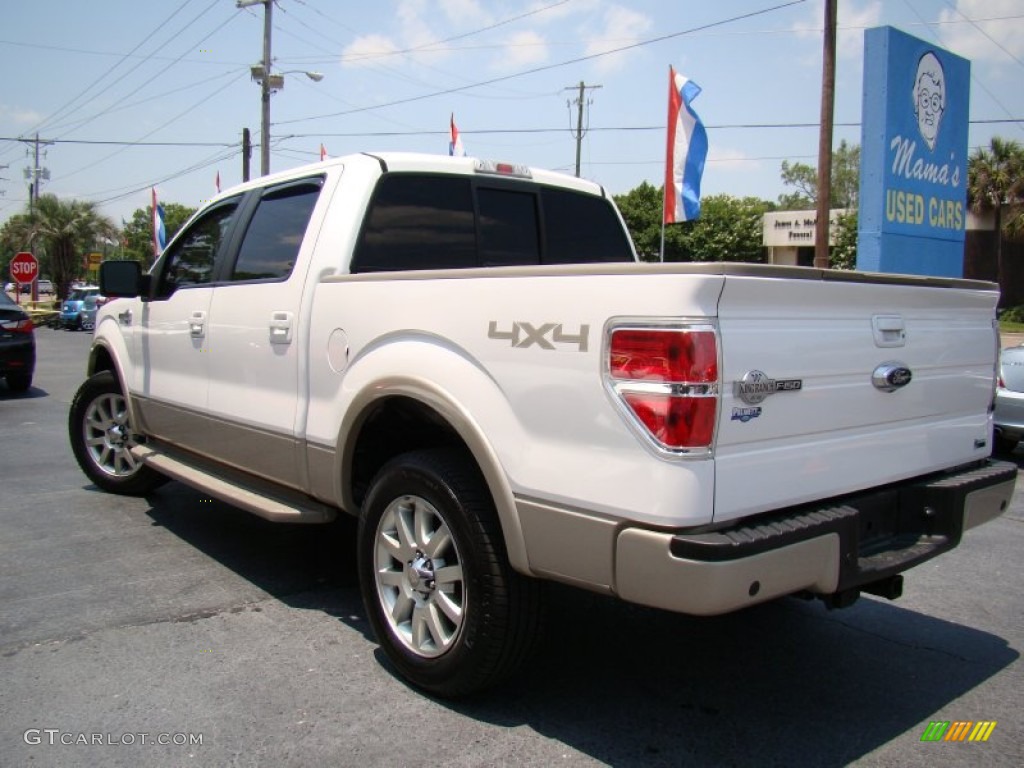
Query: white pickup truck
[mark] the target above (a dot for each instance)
(466, 356)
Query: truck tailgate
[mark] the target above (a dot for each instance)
(801, 417)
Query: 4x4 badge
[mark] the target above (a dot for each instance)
(755, 386)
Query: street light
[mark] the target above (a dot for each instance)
(269, 81)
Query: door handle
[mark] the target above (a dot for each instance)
(197, 324)
(281, 328)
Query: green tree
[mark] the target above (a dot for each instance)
(845, 181)
(16, 236)
(995, 182)
(137, 234)
(728, 229)
(641, 209)
(59, 232)
(843, 254)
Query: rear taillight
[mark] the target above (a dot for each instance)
(17, 326)
(667, 381)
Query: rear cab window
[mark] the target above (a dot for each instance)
(418, 221)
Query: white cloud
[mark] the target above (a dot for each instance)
(997, 41)
(464, 13)
(523, 49)
(413, 31)
(368, 50)
(621, 27)
(851, 21)
(554, 11)
(19, 115)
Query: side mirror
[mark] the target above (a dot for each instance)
(121, 279)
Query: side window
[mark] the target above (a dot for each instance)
(275, 232)
(509, 234)
(418, 222)
(582, 228)
(192, 258)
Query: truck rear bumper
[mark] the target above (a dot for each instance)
(837, 548)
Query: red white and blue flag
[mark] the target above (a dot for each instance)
(455, 148)
(159, 229)
(323, 153)
(687, 149)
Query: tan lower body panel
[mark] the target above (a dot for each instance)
(259, 451)
(647, 573)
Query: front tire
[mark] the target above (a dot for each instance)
(446, 606)
(102, 436)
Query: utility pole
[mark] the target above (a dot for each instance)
(580, 101)
(34, 174)
(828, 97)
(246, 153)
(268, 5)
(261, 73)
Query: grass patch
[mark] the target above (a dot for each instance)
(1005, 326)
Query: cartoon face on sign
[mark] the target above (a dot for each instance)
(929, 97)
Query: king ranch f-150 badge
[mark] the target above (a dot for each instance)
(756, 386)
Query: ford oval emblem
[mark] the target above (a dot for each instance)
(888, 377)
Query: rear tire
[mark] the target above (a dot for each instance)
(19, 382)
(1004, 444)
(447, 608)
(102, 436)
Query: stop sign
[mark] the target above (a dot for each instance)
(24, 268)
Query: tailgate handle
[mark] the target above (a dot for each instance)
(889, 330)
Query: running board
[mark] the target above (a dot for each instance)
(240, 489)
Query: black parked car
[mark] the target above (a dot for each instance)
(17, 345)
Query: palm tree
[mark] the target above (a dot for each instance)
(67, 230)
(995, 181)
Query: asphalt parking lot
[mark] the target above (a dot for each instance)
(175, 618)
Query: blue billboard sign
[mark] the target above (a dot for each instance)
(913, 175)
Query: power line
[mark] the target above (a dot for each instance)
(991, 39)
(608, 128)
(123, 56)
(142, 85)
(470, 132)
(198, 166)
(102, 78)
(432, 47)
(547, 67)
(130, 143)
(163, 125)
(974, 78)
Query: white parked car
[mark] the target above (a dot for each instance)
(1009, 413)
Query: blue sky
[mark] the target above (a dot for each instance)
(142, 94)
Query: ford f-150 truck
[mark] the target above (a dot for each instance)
(467, 356)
